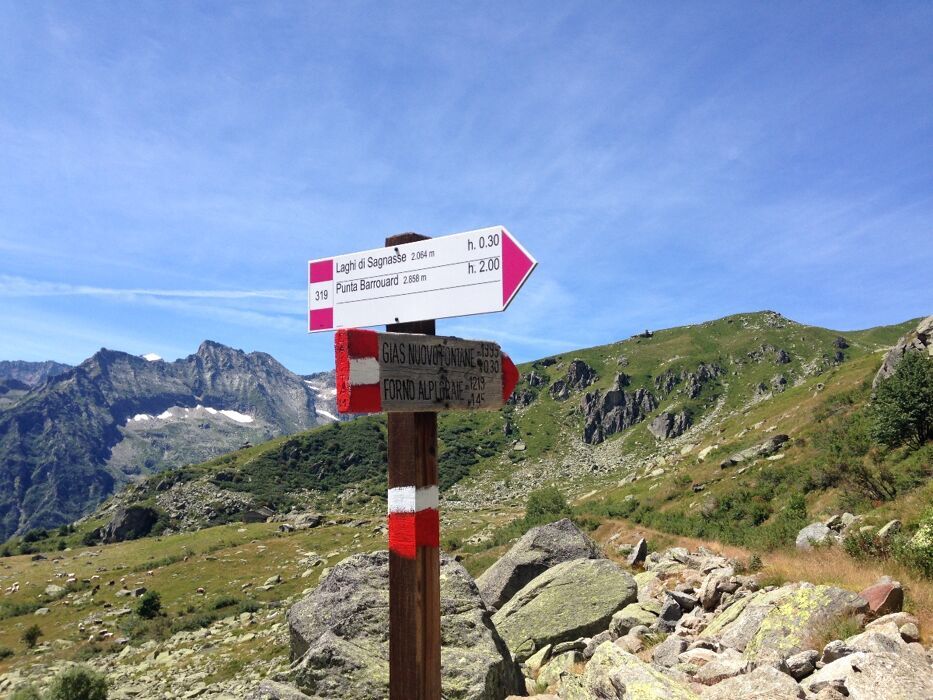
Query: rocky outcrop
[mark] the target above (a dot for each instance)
(875, 676)
(571, 600)
(579, 376)
(339, 636)
(669, 425)
(919, 340)
(130, 523)
(615, 410)
(693, 382)
(537, 551)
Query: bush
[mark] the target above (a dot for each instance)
(5, 653)
(917, 552)
(31, 636)
(150, 605)
(78, 684)
(545, 505)
(903, 404)
(26, 692)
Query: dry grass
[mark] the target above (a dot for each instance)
(835, 567)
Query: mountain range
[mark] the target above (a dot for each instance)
(71, 436)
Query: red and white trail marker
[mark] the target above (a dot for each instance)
(463, 274)
(406, 372)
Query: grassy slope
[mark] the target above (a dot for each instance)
(222, 559)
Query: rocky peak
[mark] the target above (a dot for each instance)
(918, 340)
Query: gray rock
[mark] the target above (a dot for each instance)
(909, 632)
(634, 615)
(726, 665)
(614, 674)
(670, 613)
(919, 340)
(882, 676)
(814, 534)
(537, 551)
(771, 626)
(667, 652)
(638, 553)
(613, 411)
(272, 690)
(763, 683)
(686, 601)
(339, 636)
(801, 665)
(571, 600)
(836, 649)
(669, 425)
(889, 530)
(130, 523)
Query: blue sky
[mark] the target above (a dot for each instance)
(167, 168)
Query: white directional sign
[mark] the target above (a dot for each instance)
(467, 273)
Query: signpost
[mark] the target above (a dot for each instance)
(467, 273)
(402, 372)
(412, 374)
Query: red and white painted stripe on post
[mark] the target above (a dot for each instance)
(358, 371)
(414, 520)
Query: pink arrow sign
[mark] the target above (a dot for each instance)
(475, 272)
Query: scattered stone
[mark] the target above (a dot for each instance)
(889, 530)
(667, 652)
(909, 632)
(638, 554)
(801, 665)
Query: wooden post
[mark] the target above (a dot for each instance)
(414, 530)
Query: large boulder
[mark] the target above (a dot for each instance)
(537, 551)
(130, 524)
(815, 534)
(614, 674)
(768, 627)
(340, 636)
(884, 597)
(571, 600)
(876, 676)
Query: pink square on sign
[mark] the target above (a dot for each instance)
(322, 271)
(321, 319)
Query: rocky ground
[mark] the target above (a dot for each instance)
(554, 618)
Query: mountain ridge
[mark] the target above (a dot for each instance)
(72, 440)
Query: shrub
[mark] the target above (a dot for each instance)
(903, 404)
(917, 552)
(78, 684)
(5, 653)
(90, 538)
(26, 692)
(150, 605)
(545, 505)
(31, 636)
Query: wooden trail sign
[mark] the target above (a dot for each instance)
(413, 374)
(468, 273)
(404, 372)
